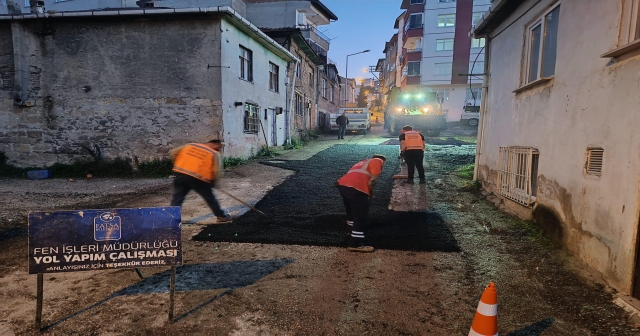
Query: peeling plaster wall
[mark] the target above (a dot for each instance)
(588, 103)
(234, 89)
(150, 89)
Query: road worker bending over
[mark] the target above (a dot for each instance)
(196, 167)
(356, 189)
(412, 150)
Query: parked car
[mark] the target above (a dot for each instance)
(470, 115)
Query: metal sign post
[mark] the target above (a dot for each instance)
(89, 240)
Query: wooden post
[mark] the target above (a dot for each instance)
(39, 295)
(172, 293)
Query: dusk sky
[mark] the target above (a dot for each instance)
(361, 25)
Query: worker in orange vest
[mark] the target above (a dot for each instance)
(412, 150)
(356, 189)
(197, 166)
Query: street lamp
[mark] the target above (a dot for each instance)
(346, 74)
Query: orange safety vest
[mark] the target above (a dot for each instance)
(199, 161)
(413, 141)
(360, 174)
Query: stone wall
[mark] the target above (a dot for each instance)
(133, 87)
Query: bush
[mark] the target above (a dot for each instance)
(233, 161)
(156, 168)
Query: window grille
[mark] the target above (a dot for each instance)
(251, 118)
(594, 163)
(518, 174)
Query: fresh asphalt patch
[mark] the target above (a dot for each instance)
(307, 210)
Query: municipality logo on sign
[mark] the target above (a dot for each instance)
(107, 226)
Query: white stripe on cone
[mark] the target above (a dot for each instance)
(488, 309)
(473, 333)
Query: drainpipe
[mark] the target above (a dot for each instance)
(291, 99)
(483, 104)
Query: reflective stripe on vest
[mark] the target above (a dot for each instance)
(363, 169)
(197, 161)
(413, 140)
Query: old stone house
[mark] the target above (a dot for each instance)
(136, 83)
(558, 131)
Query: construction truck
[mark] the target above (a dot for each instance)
(418, 107)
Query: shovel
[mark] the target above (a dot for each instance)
(403, 173)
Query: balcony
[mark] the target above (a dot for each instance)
(412, 34)
(410, 55)
(410, 80)
(312, 33)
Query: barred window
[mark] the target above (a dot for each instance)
(518, 174)
(251, 118)
(273, 77)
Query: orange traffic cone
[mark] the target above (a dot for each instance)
(485, 323)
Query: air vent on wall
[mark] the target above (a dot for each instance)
(594, 161)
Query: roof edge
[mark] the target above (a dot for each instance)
(499, 11)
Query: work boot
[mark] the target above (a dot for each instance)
(361, 248)
(410, 182)
(224, 219)
(423, 181)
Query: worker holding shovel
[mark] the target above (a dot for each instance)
(356, 189)
(197, 166)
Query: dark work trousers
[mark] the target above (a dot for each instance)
(414, 158)
(356, 204)
(184, 183)
(341, 130)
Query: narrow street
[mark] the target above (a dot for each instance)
(287, 273)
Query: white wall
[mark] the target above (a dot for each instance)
(588, 103)
(234, 89)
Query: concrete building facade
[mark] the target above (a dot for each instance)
(106, 83)
(436, 49)
(558, 130)
(52, 6)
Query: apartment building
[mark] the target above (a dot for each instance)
(436, 50)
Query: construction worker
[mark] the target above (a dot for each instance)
(197, 165)
(342, 122)
(412, 150)
(356, 189)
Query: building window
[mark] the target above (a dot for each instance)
(307, 107)
(444, 44)
(443, 69)
(518, 174)
(299, 105)
(312, 76)
(415, 21)
(441, 1)
(324, 88)
(446, 20)
(246, 64)
(274, 75)
(442, 93)
(474, 94)
(299, 68)
(542, 46)
(416, 2)
(251, 118)
(477, 68)
(477, 43)
(412, 69)
(331, 93)
(595, 157)
(477, 16)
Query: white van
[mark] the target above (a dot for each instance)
(359, 119)
(470, 115)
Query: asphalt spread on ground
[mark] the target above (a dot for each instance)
(307, 210)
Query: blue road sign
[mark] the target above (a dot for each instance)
(84, 240)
